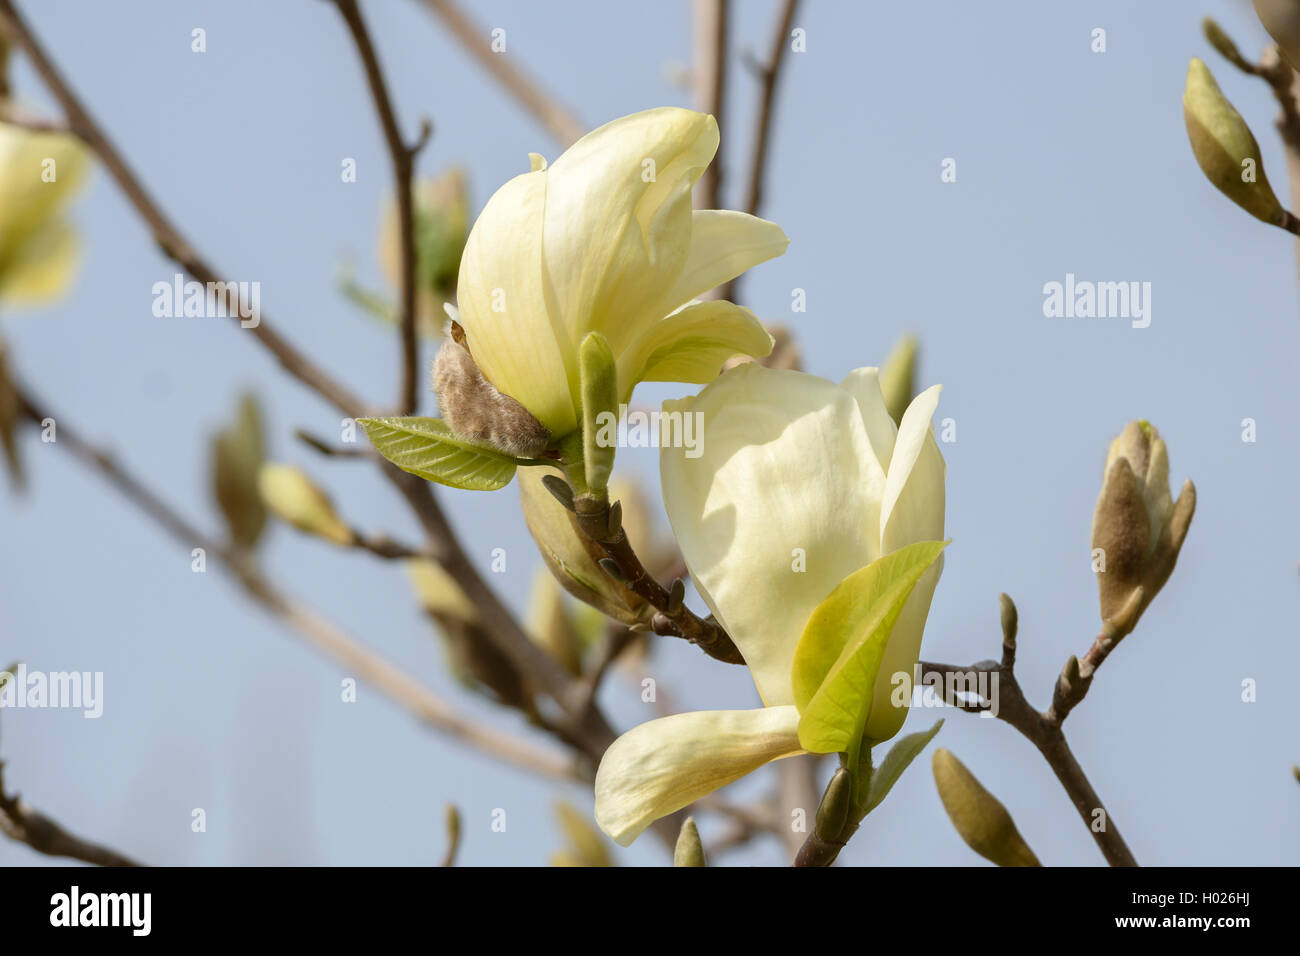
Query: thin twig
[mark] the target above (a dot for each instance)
(1043, 730)
(527, 90)
(499, 624)
(768, 73)
(165, 232)
(403, 160)
(353, 657)
(620, 561)
(771, 72)
(22, 823)
(709, 73)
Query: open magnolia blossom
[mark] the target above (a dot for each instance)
(605, 240)
(801, 484)
(38, 247)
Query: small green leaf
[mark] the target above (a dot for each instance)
(896, 761)
(428, 448)
(599, 384)
(843, 643)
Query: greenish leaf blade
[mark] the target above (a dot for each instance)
(898, 759)
(843, 644)
(428, 448)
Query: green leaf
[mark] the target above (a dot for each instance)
(843, 643)
(896, 761)
(428, 448)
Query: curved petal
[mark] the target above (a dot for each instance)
(724, 244)
(913, 511)
(780, 505)
(663, 765)
(864, 385)
(692, 344)
(913, 504)
(509, 322)
(618, 219)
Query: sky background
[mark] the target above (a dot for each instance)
(1067, 161)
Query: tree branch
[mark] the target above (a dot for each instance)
(403, 160)
(1043, 730)
(22, 823)
(563, 126)
(709, 74)
(353, 657)
(501, 627)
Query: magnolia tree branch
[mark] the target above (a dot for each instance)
(22, 823)
(1042, 729)
(558, 120)
(709, 75)
(165, 232)
(353, 657)
(769, 74)
(601, 524)
(593, 733)
(403, 160)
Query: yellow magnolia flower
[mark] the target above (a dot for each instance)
(801, 483)
(38, 248)
(605, 240)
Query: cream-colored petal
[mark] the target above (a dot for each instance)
(663, 765)
(724, 244)
(618, 219)
(913, 504)
(770, 515)
(864, 385)
(692, 344)
(512, 328)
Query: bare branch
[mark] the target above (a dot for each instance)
(165, 232)
(403, 160)
(527, 91)
(353, 657)
(709, 73)
(22, 823)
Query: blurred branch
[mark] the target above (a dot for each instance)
(403, 160)
(527, 91)
(328, 449)
(709, 74)
(1043, 730)
(354, 658)
(22, 823)
(11, 114)
(165, 232)
(768, 74)
(594, 733)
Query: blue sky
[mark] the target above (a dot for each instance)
(1068, 161)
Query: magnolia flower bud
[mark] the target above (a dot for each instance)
(898, 376)
(1137, 529)
(586, 846)
(472, 658)
(549, 624)
(689, 850)
(1281, 18)
(1225, 148)
(237, 455)
(294, 498)
(978, 816)
(598, 376)
(569, 555)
